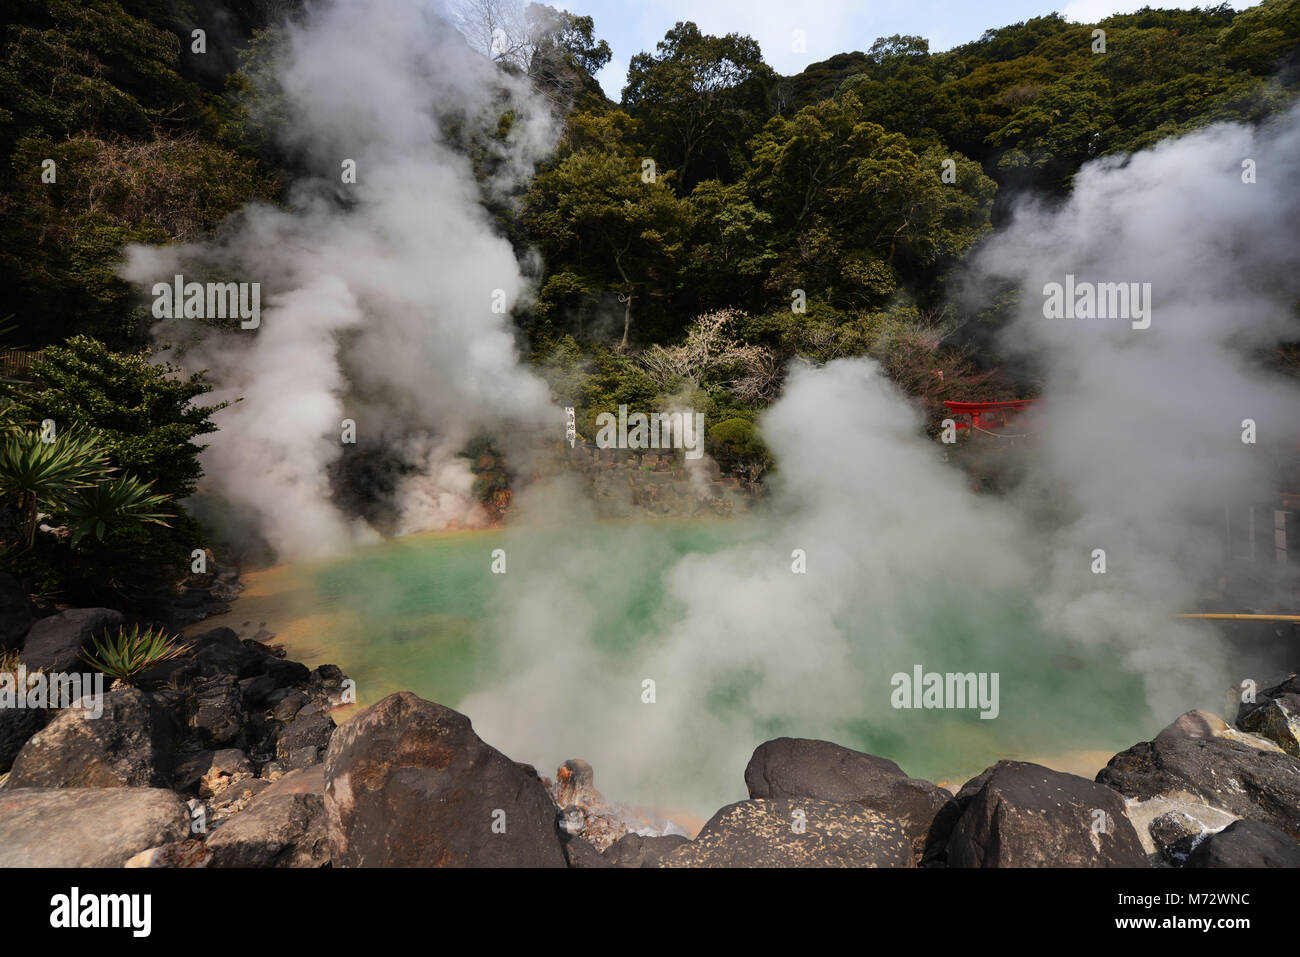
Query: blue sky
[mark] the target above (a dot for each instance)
(829, 26)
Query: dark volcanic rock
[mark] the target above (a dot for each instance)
(1175, 835)
(289, 706)
(54, 644)
(1246, 844)
(190, 769)
(1288, 685)
(17, 725)
(409, 783)
(222, 770)
(633, 850)
(1277, 719)
(1023, 815)
(768, 834)
(580, 853)
(174, 674)
(303, 741)
(129, 745)
(283, 830)
(1227, 774)
(220, 652)
(217, 715)
(256, 690)
(329, 679)
(15, 613)
(808, 768)
(575, 783)
(286, 674)
(86, 827)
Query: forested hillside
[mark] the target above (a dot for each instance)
(694, 237)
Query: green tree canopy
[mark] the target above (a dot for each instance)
(700, 97)
(615, 227)
(144, 413)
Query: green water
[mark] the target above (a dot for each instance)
(541, 659)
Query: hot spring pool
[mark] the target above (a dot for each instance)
(549, 659)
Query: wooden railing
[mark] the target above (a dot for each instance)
(17, 363)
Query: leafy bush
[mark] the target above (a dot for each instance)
(144, 413)
(735, 446)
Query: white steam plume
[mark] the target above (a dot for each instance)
(1139, 453)
(377, 295)
(1142, 442)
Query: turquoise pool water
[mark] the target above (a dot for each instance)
(548, 659)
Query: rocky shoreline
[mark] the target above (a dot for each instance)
(229, 757)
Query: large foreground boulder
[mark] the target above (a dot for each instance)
(1017, 814)
(409, 784)
(281, 830)
(129, 745)
(788, 768)
(1246, 844)
(795, 833)
(1189, 759)
(86, 827)
(54, 644)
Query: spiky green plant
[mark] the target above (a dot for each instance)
(131, 653)
(39, 473)
(116, 501)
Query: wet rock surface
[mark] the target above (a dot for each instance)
(1017, 814)
(1225, 773)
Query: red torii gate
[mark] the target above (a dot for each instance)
(978, 409)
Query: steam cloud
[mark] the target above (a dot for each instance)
(1139, 452)
(1144, 449)
(382, 314)
(377, 295)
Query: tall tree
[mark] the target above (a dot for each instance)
(855, 210)
(700, 98)
(616, 227)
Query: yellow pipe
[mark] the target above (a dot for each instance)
(1243, 617)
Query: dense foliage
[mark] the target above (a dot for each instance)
(716, 223)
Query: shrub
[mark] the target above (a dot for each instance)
(131, 653)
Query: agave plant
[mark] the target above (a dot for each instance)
(126, 656)
(37, 473)
(125, 498)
